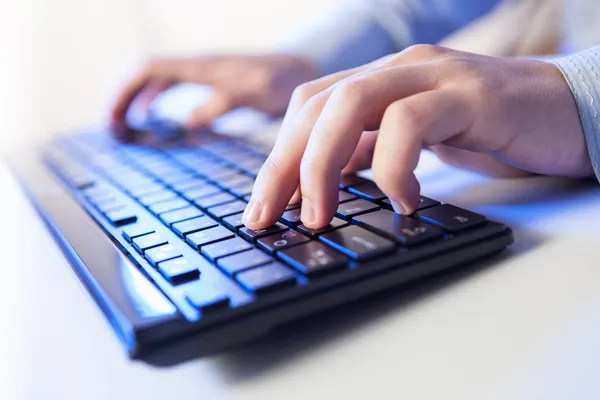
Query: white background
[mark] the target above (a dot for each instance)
(61, 60)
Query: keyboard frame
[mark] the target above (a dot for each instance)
(148, 324)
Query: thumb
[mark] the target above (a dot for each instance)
(218, 104)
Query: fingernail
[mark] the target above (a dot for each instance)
(253, 212)
(398, 207)
(308, 212)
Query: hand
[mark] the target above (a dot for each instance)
(263, 82)
(502, 117)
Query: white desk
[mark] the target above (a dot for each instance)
(527, 326)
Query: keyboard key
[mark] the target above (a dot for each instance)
(248, 259)
(208, 236)
(80, 181)
(188, 184)
(313, 258)
(451, 218)
(213, 171)
(96, 192)
(142, 190)
(233, 222)
(234, 180)
(335, 223)
(225, 248)
(157, 197)
(146, 242)
(182, 214)
(178, 270)
(170, 205)
(120, 217)
(105, 203)
(214, 200)
(252, 234)
(108, 206)
(347, 181)
(355, 207)
(243, 190)
(200, 191)
(281, 240)
(161, 253)
(227, 209)
(184, 228)
(206, 297)
(358, 243)
(293, 206)
(345, 196)
(292, 217)
(406, 230)
(424, 202)
(133, 231)
(368, 191)
(175, 177)
(253, 168)
(266, 278)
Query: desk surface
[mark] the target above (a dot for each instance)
(525, 325)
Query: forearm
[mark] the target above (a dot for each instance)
(582, 72)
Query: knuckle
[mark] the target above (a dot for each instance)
(422, 51)
(303, 93)
(311, 107)
(350, 90)
(409, 117)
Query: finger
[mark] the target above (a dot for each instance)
(218, 104)
(422, 119)
(355, 105)
(279, 177)
(363, 155)
(133, 87)
(411, 55)
(306, 91)
(296, 197)
(279, 185)
(171, 70)
(150, 92)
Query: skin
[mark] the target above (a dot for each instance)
(501, 117)
(264, 82)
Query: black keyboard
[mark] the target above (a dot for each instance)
(163, 225)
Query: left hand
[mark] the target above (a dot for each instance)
(503, 117)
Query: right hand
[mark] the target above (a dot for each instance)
(263, 82)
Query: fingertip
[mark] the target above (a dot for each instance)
(406, 200)
(315, 217)
(258, 215)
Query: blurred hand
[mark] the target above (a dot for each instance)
(502, 117)
(263, 82)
